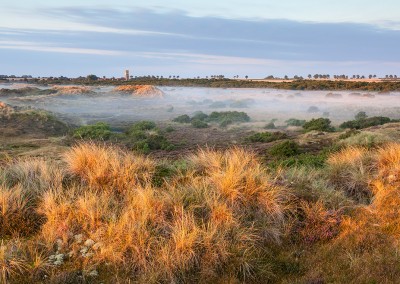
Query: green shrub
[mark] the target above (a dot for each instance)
(199, 116)
(295, 122)
(270, 125)
(367, 122)
(197, 123)
(225, 118)
(169, 129)
(286, 149)
(142, 126)
(319, 124)
(100, 131)
(144, 136)
(361, 115)
(182, 119)
(266, 137)
(348, 134)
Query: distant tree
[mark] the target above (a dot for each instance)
(247, 77)
(361, 115)
(92, 77)
(309, 76)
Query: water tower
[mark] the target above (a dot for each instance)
(127, 75)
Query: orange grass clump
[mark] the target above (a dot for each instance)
(140, 90)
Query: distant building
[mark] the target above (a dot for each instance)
(126, 75)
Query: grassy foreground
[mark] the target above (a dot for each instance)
(104, 215)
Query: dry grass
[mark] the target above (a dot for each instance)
(105, 167)
(222, 219)
(351, 171)
(140, 90)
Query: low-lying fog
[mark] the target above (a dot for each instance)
(259, 104)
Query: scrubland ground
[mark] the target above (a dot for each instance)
(173, 203)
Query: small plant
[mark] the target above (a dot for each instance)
(98, 131)
(169, 129)
(319, 124)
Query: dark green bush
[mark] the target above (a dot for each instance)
(286, 149)
(100, 131)
(182, 119)
(270, 125)
(348, 134)
(367, 122)
(225, 118)
(142, 126)
(266, 137)
(199, 116)
(295, 122)
(318, 124)
(197, 123)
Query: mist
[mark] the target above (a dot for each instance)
(262, 105)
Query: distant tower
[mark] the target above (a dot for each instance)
(126, 75)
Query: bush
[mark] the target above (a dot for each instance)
(182, 119)
(367, 122)
(98, 131)
(228, 117)
(319, 124)
(295, 122)
(266, 137)
(311, 160)
(285, 149)
(361, 115)
(270, 125)
(199, 116)
(196, 123)
(142, 126)
(144, 136)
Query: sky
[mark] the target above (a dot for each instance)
(256, 38)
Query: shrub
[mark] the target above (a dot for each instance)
(270, 125)
(319, 124)
(144, 137)
(196, 123)
(199, 116)
(285, 149)
(169, 129)
(142, 126)
(367, 122)
(182, 119)
(266, 137)
(295, 122)
(228, 117)
(98, 131)
(361, 115)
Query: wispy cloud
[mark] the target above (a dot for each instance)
(31, 46)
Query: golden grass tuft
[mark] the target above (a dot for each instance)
(107, 167)
(351, 171)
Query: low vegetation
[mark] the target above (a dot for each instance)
(318, 124)
(142, 136)
(223, 118)
(266, 137)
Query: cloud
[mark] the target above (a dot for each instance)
(174, 39)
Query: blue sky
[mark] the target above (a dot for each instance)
(198, 38)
